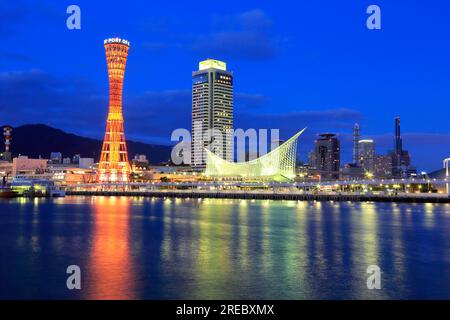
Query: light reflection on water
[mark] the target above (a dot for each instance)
(131, 248)
(109, 256)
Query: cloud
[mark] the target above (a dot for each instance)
(155, 46)
(243, 36)
(75, 105)
(165, 111)
(12, 56)
(19, 13)
(246, 101)
(37, 97)
(9, 17)
(155, 114)
(316, 120)
(246, 35)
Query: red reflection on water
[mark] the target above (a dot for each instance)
(110, 275)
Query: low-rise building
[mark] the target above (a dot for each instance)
(86, 163)
(25, 165)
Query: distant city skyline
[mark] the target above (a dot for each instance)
(315, 66)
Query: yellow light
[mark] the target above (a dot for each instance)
(369, 175)
(211, 63)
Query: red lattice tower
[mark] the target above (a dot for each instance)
(113, 165)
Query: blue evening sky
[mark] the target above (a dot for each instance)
(296, 63)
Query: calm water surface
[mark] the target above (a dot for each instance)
(144, 248)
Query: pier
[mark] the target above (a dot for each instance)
(268, 195)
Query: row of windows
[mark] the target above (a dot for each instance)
(220, 86)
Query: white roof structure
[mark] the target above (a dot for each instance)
(278, 164)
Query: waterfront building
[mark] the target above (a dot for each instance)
(410, 172)
(212, 109)
(279, 164)
(351, 171)
(25, 165)
(56, 157)
(85, 163)
(366, 155)
(76, 159)
(327, 156)
(356, 144)
(6, 169)
(142, 158)
(383, 166)
(139, 163)
(401, 159)
(113, 165)
(171, 174)
(69, 175)
(312, 159)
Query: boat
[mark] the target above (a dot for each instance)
(6, 192)
(56, 192)
(36, 187)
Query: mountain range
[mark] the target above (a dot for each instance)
(39, 140)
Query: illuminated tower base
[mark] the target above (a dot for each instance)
(113, 165)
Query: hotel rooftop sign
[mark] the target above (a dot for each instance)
(212, 64)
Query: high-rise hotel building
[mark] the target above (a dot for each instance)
(328, 156)
(212, 112)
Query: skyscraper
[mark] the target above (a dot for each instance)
(398, 138)
(212, 109)
(113, 165)
(328, 156)
(356, 144)
(366, 157)
(400, 158)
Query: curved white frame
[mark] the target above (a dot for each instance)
(280, 162)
